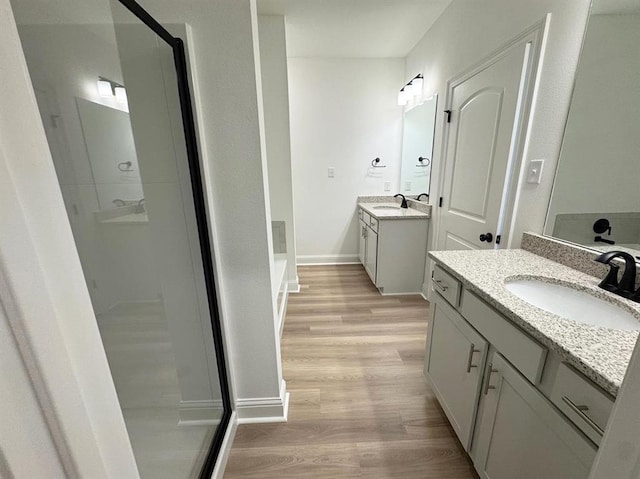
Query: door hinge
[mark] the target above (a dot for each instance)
(498, 239)
(440, 202)
(448, 113)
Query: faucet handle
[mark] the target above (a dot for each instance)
(610, 281)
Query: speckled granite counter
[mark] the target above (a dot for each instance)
(390, 211)
(601, 354)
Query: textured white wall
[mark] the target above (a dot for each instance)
(275, 93)
(600, 163)
(344, 113)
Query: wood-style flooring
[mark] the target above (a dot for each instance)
(359, 404)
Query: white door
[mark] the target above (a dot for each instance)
(362, 242)
(485, 110)
(371, 259)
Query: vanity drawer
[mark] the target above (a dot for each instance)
(445, 284)
(584, 403)
(374, 224)
(520, 349)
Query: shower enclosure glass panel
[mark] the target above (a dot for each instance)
(112, 91)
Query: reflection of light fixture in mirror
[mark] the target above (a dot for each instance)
(104, 88)
(108, 89)
(121, 94)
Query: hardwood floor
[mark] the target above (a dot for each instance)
(359, 406)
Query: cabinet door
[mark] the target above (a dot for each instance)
(362, 242)
(454, 366)
(371, 256)
(520, 434)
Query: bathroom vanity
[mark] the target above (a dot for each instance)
(527, 392)
(393, 246)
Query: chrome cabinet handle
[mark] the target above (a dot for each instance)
(441, 284)
(488, 385)
(472, 350)
(580, 410)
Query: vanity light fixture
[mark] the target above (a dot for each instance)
(411, 90)
(108, 89)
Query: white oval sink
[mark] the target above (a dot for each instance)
(572, 304)
(386, 207)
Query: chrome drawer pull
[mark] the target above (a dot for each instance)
(580, 410)
(488, 385)
(472, 350)
(441, 284)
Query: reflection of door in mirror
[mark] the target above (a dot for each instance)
(112, 154)
(599, 169)
(417, 147)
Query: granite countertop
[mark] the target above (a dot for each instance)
(601, 354)
(394, 213)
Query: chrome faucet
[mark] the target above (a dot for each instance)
(404, 200)
(626, 286)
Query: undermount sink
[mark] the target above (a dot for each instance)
(386, 207)
(570, 303)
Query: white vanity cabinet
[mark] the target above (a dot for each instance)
(520, 434)
(455, 365)
(500, 390)
(393, 251)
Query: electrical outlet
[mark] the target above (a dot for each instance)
(407, 186)
(534, 173)
(387, 186)
(331, 172)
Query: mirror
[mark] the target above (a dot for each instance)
(112, 154)
(417, 147)
(596, 199)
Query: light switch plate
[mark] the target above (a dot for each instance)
(387, 186)
(331, 172)
(534, 173)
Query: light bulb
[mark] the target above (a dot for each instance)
(121, 94)
(104, 88)
(418, 83)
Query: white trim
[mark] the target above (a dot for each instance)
(310, 260)
(225, 447)
(293, 286)
(264, 410)
(199, 413)
(283, 311)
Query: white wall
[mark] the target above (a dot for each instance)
(599, 168)
(275, 94)
(344, 114)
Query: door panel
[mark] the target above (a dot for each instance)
(483, 118)
(473, 162)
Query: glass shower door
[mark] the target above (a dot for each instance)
(116, 108)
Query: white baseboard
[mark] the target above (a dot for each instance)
(426, 293)
(263, 410)
(199, 413)
(400, 294)
(327, 259)
(293, 286)
(225, 447)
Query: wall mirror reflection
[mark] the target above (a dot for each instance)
(417, 148)
(596, 199)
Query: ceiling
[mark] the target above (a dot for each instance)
(354, 28)
(615, 7)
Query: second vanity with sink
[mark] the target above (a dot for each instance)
(526, 370)
(393, 246)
